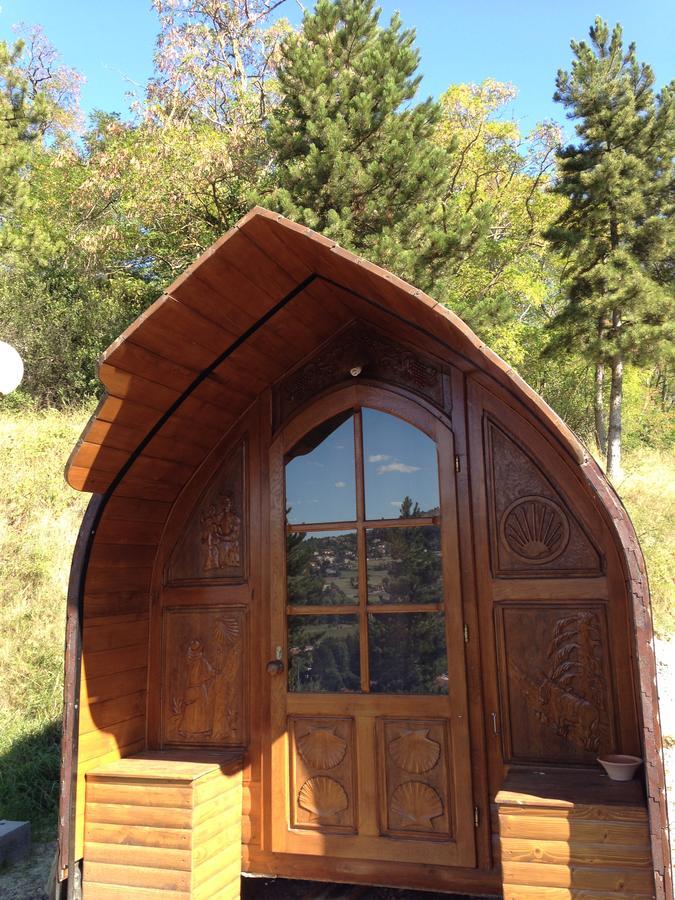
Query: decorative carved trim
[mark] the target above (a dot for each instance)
(533, 531)
(204, 676)
(420, 806)
(415, 804)
(322, 748)
(322, 802)
(376, 357)
(414, 752)
(536, 529)
(556, 695)
(212, 547)
(323, 798)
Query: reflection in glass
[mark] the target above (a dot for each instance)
(323, 654)
(400, 467)
(320, 474)
(404, 565)
(407, 653)
(321, 567)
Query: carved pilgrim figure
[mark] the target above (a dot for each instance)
(193, 706)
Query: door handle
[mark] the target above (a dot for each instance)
(275, 667)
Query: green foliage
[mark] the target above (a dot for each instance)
(616, 232)
(352, 156)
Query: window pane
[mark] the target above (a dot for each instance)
(404, 565)
(320, 474)
(323, 654)
(321, 567)
(401, 468)
(407, 653)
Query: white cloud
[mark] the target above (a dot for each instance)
(395, 503)
(340, 484)
(397, 467)
(379, 457)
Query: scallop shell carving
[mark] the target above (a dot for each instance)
(535, 529)
(416, 804)
(323, 798)
(415, 751)
(322, 748)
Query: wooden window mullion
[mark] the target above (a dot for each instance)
(361, 553)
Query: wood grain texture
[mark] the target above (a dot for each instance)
(608, 855)
(163, 827)
(209, 308)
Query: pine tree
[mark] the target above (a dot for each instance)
(616, 230)
(353, 157)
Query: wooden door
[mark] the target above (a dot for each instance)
(369, 726)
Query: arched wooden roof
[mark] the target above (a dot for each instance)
(190, 355)
(248, 311)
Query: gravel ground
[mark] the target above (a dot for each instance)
(27, 880)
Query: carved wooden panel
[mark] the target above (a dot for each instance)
(212, 548)
(414, 797)
(533, 532)
(377, 357)
(556, 697)
(323, 794)
(204, 682)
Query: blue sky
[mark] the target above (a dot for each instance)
(522, 41)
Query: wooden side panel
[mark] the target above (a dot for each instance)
(165, 833)
(566, 831)
(533, 531)
(113, 697)
(204, 662)
(555, 684)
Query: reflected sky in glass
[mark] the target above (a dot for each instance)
(320, 483)
(400, 464)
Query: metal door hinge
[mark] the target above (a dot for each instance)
(466, 633)
(476, 816)
(458, 465)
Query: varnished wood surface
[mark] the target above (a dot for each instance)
(161, 827)
(221, 296)
(573, 831)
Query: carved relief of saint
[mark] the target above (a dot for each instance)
(193, 706)
(220, 536)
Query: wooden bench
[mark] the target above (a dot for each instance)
(162, 825)
(571, 834)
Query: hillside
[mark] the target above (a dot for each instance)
(39, 519)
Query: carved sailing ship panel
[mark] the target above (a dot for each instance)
(533, 533)
(204, 653)
(556, 697)
(322, 774)
(212, 548)
(414, 797)
(376, 357)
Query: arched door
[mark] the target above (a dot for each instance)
(370, 734)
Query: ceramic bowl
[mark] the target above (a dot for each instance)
(620, 766)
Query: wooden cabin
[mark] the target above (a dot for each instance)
(350, 603)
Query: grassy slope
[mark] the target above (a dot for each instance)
(39, 519)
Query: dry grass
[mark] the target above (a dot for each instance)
(39, 519)
(648, 491)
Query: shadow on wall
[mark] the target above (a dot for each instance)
(29, 780)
